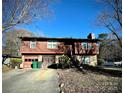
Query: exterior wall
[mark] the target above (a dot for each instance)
(41, 47)
(57, 58)
(92, 59)
(27, 64)
(30, 56)
(41, 50)
(79, 49)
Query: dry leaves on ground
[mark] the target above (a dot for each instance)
(90, 82)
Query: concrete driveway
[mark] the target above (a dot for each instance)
(30, 81)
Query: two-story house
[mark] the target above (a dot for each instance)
(48, 50)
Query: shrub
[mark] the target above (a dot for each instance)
(15, 62)
(101, 62)
(54, 66)
(101, 70)
(64, 62)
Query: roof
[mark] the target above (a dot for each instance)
(58, 39)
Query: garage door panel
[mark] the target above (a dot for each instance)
(48, 60)
(30, 57)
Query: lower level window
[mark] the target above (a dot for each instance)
(85, 60)
(36, 59)
(30, 60)
(26, 60)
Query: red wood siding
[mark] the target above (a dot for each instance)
(41, 47)
(79, 49)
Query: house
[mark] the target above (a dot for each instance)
(48, 50)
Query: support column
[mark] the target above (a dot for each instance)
(40, 58)
(23, 60)
(57, 59)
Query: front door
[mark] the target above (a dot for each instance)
(47, 61)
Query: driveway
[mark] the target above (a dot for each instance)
(30, 81)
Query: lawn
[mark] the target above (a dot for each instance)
(88, 82)
(113, 68)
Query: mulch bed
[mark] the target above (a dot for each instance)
(73, 81)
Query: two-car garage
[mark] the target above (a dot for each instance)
(37, 61)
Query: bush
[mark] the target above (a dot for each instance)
(101, 62)
(15, 62)
(54, 66)
(64, 62)
(101, 70)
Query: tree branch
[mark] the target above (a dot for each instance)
(112, 29)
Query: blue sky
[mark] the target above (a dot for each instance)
(72, 18)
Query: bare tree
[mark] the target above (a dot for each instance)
(12, 42)
(109, 49)
(111, 17)
(16, 12)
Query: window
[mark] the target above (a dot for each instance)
(26, 59)
(52, 44)
(36, 59)
(85, 60)
(90, 46)
(84, 45)
(32, 44)
(32, 60)
(29, 59)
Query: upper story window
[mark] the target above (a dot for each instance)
(90, 46)
(52, 44)
(84, 45)
(32, 44)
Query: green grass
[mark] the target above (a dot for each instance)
(112, 68)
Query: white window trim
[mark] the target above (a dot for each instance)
(32, 42)
(51, 43)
